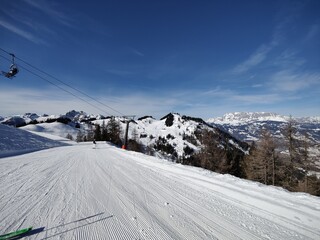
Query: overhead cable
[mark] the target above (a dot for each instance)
(60, 81)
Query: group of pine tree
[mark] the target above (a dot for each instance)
(285, 162)
(110, 132)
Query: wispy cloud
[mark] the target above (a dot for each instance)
(120, 72)
(312, 32)
(227, 95)
(261, 53)
(203, 103)
(19, 21)
(288, 59)
(256, 99)
(44, 7)
(136, 52)
(255, 59)
(217, 92)
(290, 81)
(53, 101)
(22, 33)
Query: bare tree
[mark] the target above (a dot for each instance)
(261, 163)
(290, 133)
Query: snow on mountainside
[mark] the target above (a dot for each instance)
(174, 136)
(239, 118)
(246, 117)
(176, 132)
(149, 130)
(55, 128)
(15, 141)
(247, 126)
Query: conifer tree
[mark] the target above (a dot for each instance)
(97, 133)
(79, 136)
(114, 131)
(104, 132)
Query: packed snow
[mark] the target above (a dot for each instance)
(87, 191)
(16, 141)
(55, 129)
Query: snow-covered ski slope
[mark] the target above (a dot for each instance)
(15, 141)
(78, 192)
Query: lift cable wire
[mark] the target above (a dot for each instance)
(49, 75)
(59, 87)
(64, 83)
(77, 90)
(65, 90)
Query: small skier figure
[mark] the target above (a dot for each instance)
(94, 142)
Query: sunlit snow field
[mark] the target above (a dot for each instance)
(82, 191)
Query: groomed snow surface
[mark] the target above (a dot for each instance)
(82, 191)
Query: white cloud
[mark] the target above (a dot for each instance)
(256, 58)
(260, 54)
(136, 52)
(217, 92)
(288, 59)
(290, 81)
(44, 7)
(256, 99)
(199, 103)
(20, 32)
(54, 101)
(19, 101)
(257, 85)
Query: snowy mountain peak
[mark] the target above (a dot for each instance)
(247, 126)
(242, 117)
(31, 116)
(239, 118)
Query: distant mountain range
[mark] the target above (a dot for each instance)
(247, 126)
(173, 136)
(180, 132)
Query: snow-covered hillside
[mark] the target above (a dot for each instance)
(14, 141)
(178, 132)
(103, 192)
(55, 128)
(148, 130)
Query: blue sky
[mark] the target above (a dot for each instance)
(199, 58)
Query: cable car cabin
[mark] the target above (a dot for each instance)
(12, 72)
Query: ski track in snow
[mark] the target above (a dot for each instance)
(78, 192)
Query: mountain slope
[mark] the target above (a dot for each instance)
(77, 192)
